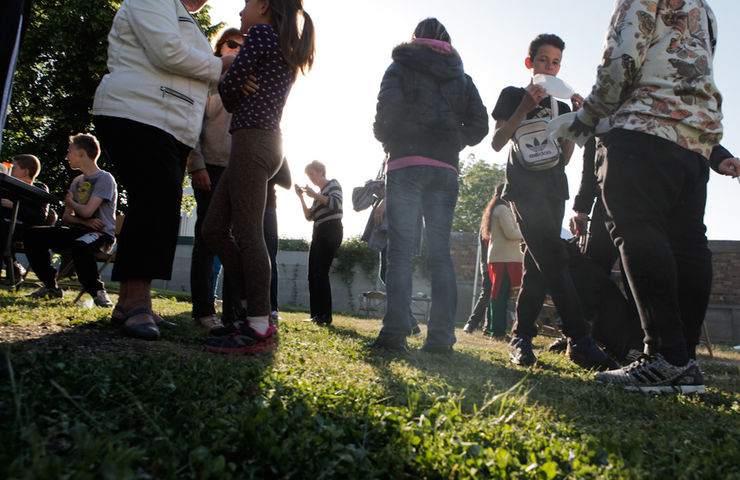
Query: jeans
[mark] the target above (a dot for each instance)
(431, 191)
(655, 193)
(480, 312)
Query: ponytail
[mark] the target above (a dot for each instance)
(298, 47)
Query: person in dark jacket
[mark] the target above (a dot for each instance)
(428, 110)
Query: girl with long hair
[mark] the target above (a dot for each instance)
(273, 52)
(499, 229)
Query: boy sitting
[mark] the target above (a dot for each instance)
(89, 215)
(537, 198)
(24, 168)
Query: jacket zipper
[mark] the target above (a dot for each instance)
(175, 93)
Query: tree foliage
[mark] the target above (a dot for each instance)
(477, 181)
(61, 62)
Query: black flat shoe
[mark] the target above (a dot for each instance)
(143, 331)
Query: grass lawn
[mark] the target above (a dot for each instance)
(83, 402)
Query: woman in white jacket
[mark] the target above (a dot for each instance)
(499, 228)
(148, 113)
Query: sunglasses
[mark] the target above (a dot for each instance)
(233, 44)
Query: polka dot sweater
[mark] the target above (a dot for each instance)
(260, 55)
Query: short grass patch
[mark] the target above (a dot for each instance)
(83, 402)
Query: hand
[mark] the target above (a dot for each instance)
(298, 190)
(730, 167)
(94, 223)
(6, 203)
(379, 212)
(69, 198)
(577, 101)
(250, 86)
(201, 180)
(226, 62)
(533, 95)
(579, 224)
(310, 192)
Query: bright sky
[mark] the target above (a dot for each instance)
(330, 112)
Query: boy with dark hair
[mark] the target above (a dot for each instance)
(25, 168)
(653, 174)
(537, 198)
(89, 215)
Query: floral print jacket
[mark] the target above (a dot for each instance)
(656, 73)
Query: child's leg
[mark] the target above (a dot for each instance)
(498, 306)
(256, 157)
(38, 241)
(84, 248)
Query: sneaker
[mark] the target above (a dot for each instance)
(558, 346)
(437, 349)
(520, 352)
(653, 374)
(324, 319)
(224, 331)
(391, 344)
(416, 331)
(275, 317)
(469, 327)
(101, 299)
(587, 354)
(210, 321)
(45, 292)
(632, 355)
(243, 340)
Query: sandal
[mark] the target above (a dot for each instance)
(118, 321)
(144, 331)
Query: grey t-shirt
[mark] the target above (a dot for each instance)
(101, 185)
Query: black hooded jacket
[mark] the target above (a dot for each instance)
(428, 106)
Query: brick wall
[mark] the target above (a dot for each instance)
(726, 277)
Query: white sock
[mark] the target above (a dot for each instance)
(259, 324)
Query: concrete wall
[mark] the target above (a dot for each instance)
(722, 319)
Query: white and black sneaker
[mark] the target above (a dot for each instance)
(653, 374)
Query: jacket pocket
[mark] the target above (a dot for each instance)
(169, 91)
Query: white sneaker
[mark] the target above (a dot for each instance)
(210, 321)
(101, 299)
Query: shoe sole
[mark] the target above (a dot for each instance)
(684, 389)
(258, 349)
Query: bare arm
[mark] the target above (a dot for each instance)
(504, 129)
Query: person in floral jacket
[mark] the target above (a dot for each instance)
(656, 89)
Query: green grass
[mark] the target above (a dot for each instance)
(83, 402)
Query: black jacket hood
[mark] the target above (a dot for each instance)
(424, 58)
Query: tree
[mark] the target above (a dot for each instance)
(477, 181)
(61, 62)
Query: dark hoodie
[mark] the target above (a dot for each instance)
(428, 106)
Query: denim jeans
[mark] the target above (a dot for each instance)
(431, 191)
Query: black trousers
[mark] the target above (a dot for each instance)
(325, 242)
(480, 310)
(545, 268)
(83, 243)
(655, 193)
(151, 166)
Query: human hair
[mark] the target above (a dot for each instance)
(432, 28)
(317, 166)
(28, 162)
(225, 35)
(485, 221)
(545, 39)
(298, 47)
(88, 143)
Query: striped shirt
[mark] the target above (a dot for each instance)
(321, 213)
